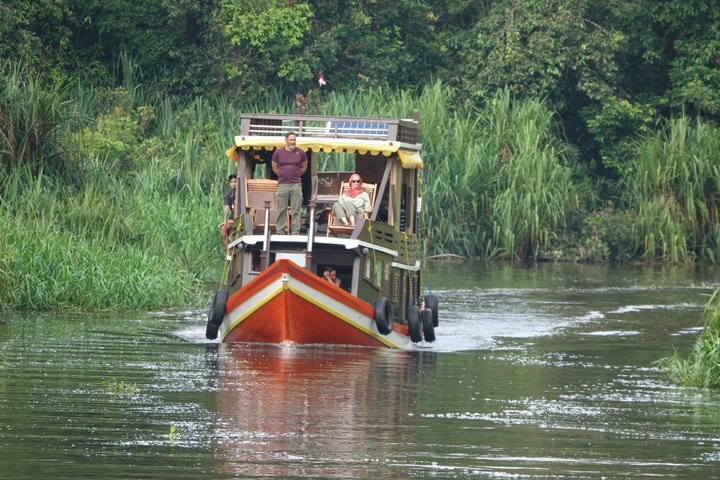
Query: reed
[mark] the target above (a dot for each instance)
(377, 101)
(497, 180)
(702, 366)
(133, 221)
(33, 116)
(60, 270)
(675, 186)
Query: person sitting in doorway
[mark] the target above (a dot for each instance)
(330, 274)
(228, 213)
(355, 201)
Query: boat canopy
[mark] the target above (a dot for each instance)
(409, 157)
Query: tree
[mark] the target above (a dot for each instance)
(269, 39)
(692, 41)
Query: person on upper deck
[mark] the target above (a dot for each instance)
(289, 163)
(354, 201)
(228, 213)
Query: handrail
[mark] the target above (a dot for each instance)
(369, 128)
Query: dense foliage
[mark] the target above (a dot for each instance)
(610, 69)
(701, 368)
(552, 129)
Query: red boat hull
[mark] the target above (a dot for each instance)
(287, 303)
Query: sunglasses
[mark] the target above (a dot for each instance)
(355, 181)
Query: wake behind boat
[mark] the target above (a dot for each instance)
(273, 290)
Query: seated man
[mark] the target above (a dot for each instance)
(330, 274)
(355, 201)
(228, 213)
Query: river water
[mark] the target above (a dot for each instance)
(538, 372)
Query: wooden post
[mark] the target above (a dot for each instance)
(311, 234)
(265, 253)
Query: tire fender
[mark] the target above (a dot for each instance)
(217, 309)
(413, 322)
(431, 302)
(426, 319)
(383, 315)
(211, 331)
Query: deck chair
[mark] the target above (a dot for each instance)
(257, 191)
(334, 225)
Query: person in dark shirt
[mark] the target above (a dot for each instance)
(289, 163)
(228, 213)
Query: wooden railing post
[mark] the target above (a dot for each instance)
(265, 254)
(310, 233)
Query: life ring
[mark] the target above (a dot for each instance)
(426, 318)
(211, 331)
(383, 315)
(431, 302)
(414, 323)
(217, 309)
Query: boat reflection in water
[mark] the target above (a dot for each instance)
(316, 411)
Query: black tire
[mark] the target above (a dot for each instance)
(413, 321)
(217, 309)
(426, 318)
(211, 332)
(383, 315)
(431, 302)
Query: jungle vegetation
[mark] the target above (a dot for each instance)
(701, 368)
(563, 130)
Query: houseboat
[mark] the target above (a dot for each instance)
(273, 288)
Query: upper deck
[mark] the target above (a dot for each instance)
(404, 131)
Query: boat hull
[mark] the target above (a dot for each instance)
(286, 303)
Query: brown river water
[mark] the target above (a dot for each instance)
(540, 372)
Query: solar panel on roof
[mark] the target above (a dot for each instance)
(359, 128)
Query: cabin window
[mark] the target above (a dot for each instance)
(378, 273)
(368, 268)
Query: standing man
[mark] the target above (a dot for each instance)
(228, 213)
(289, 163)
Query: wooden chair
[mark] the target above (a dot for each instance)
(257, 192)
(334, 225)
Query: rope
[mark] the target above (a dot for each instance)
(407, 252)
(372, 240)
(238, 227)
(226, 272)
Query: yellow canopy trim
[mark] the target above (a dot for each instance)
(408, 158)
(231, 153)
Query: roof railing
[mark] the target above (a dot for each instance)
(366, 128)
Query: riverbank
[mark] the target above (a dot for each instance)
(110, 197)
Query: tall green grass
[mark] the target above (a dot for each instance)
(498, 181)
(130, 221)
(65, 271)
(102, 184)
(702, 366)
(33, 116)
(675, 187)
